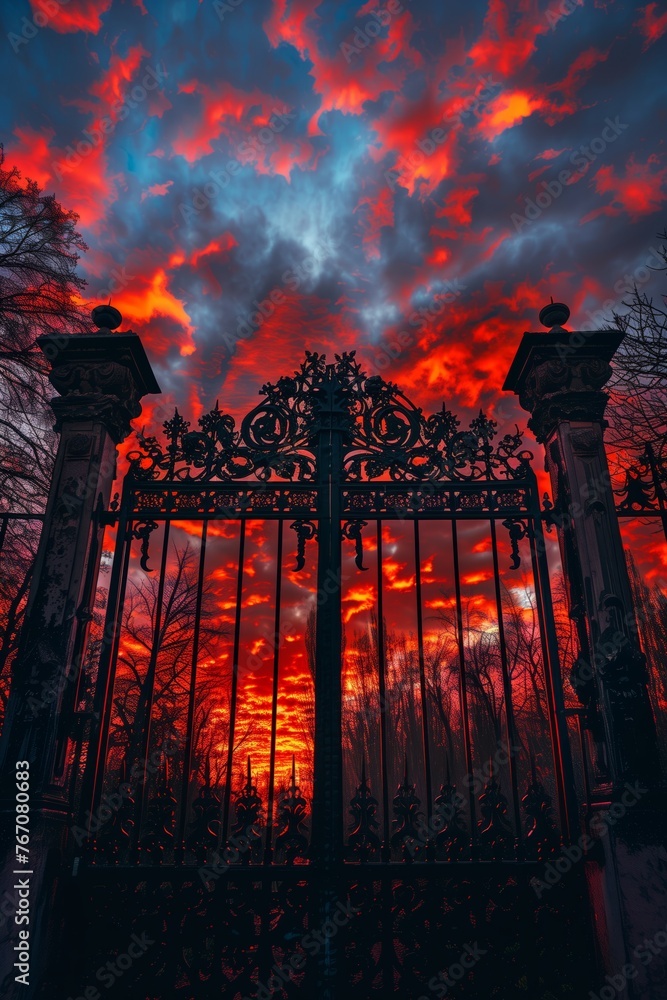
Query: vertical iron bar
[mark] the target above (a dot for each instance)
(328, 827)
(386, 848)
(235, 681)
(106, 670)
(507, 687)
(149, 685)
(584, 765)
(189, 732)
(268, 856)
(422, 676)
(552, 672)
(84, 616)
(547, 657)
(328, 833)
(465, 716)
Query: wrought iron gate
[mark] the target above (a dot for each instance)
(423, 840)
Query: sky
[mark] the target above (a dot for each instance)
(409, 180)
(358, 162)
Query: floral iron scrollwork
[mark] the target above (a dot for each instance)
(206, 822)
(161, 814)
(638, 492)
(384, 435)
(451, 836)
(494, 831)
(364, 841)
(542, 836)
(406, 803)
(248, 822)
(292, 840)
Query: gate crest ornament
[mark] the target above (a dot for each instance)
(384, 436)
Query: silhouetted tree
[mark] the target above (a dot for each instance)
(39, 293)
(638, 405)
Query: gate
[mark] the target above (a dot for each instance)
(399, 841)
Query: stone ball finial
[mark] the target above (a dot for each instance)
(106, 317)
(555, 314)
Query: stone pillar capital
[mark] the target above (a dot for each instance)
(560, 375)
(100, 377)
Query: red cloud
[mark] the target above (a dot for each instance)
(113, 85)
(79, 181)
(508, 109)
(549, 154)
(156, 190)
(509, 37)
(362, 71)
(379, 212)
(639, 192)
(255, 120)
(78, 15)
(651, 26)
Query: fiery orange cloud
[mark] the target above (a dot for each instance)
(149, 297)
(361, 599)
(507, 110)
(222, 246)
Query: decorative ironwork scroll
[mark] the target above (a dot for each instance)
(385, 436)
(364, 841)
(292, 811)
(542, 837)
(206, 823)
(451, 836)
(142, 532)
(248, 818)
(305, 530)
(352, 531)
(406, 824)
(518, 530)
(495, 832)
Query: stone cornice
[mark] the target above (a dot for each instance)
(560, 375)
(99, 377)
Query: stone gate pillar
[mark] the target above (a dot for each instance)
(560, 377)
(100, 378)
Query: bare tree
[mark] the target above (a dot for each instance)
(39, 286)
(39, 293)
(16, 562)
(165, 690)
(638, 405)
